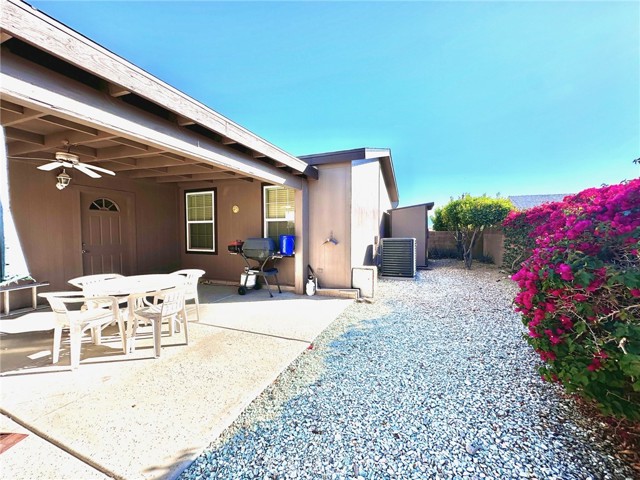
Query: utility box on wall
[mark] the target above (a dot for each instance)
(411, 222)
(365, 279)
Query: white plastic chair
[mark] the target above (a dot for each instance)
(167, 305)
(191, 286)
(90, 285)
(79, 321)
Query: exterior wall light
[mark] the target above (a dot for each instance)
(63, 180)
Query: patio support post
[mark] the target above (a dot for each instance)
(302, 237)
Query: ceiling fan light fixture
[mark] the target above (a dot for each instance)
(64, 179)
(66, 157)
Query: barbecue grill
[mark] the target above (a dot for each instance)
(260, 251)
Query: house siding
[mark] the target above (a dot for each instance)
(329, 212)
(247, 223)
(411, 222)
(49, 227)
(366, 212)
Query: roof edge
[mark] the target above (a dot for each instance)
(383, 155)
(429, 206)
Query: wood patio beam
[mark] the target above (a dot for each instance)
(120, 165)
(183, 121)
(11, 107)
(10, 117)
(196, 177)
(69, 124)
(13, 133)
(61, 140)
(130, 143)
(116, 90)
(157, 162)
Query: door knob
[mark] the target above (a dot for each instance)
(85, 251)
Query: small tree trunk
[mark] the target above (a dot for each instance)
(459, 245)
(468, 250)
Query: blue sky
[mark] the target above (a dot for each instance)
(477, 97)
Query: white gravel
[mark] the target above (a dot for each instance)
(432, 380)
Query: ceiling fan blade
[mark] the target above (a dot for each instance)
(42, 158)
(86, 171)
(97, 169)
(52, 166)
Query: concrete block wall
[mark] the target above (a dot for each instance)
(491, 244)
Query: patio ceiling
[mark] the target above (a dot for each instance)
(34, 135)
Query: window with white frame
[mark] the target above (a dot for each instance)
(279, 212)
(200, 221)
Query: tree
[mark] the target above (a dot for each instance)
(467, 217)
(438, 222)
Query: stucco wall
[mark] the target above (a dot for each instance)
(411, 222)
(231, 226)
(366, 214)
(329, 213)
(493, 245)
(446, 241)
(349, 200)
(48, 223)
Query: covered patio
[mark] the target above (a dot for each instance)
(137, 416)
(60, 92)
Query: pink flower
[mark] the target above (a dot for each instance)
(566, 322)
(635, 292)
(595, 365)
(555, 340)
(565, 272)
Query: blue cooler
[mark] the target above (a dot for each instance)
(287, 245)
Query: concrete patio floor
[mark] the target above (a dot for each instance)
(137, 416)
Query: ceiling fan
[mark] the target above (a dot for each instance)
(70, 160)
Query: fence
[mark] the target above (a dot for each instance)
(490, 244)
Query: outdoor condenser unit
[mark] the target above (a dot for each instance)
(399, 257)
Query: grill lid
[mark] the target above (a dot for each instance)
(259, 248)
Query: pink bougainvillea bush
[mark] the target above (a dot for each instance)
(580, 294)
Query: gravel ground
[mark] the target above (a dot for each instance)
(432, 380)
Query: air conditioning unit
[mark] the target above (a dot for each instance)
(399, 257)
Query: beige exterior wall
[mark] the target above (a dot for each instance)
(366, 215)
(493, 245)
(48, 224)
(385, 206)
(329, 213)
(231, 226)
(447, 241)
(411, 222)
(348, 201)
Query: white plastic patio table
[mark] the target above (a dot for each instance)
(138, 284)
